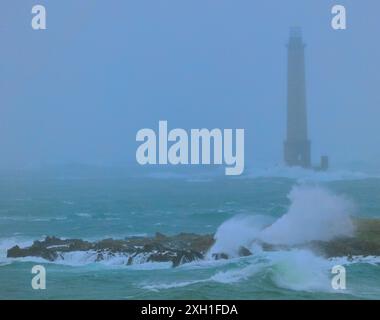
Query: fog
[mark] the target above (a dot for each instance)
(79, 91)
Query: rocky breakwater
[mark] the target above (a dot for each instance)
(187, 247)
(178, 249)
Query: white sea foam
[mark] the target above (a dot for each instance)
(77, 258)
(241, 230)
(238, 274)
(372, 260)
(31, 218)
(314, 214)
(298, 270)
(85, 258)
(302, 270)
(83, 215)
(82, 258)
(177, 284)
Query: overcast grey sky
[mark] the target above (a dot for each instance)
(80, 90)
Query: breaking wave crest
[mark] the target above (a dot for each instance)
(296, 270)
(314, 214)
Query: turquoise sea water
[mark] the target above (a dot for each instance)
(32, 207)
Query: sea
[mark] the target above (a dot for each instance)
(277, 205)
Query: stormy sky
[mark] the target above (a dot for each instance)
(79, 91)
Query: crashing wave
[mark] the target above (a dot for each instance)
(317, 221)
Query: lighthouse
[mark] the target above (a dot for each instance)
(297, 146)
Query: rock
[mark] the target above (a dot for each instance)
(160, 236)
(186, 256)
(36, 250)
(219, 256)
(162, 257)
(244, 252)
(364, 242)
(15, 252)
(349, 247)
(186, 247)
(178, 249)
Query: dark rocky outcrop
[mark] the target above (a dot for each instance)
(178, 249)
(242, 252)
(186, 247)
(364, 242)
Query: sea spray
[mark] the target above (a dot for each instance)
(314, 214)
(299, 270)
(239, 231)
(296, 269)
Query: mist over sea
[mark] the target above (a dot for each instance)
(295, 203)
